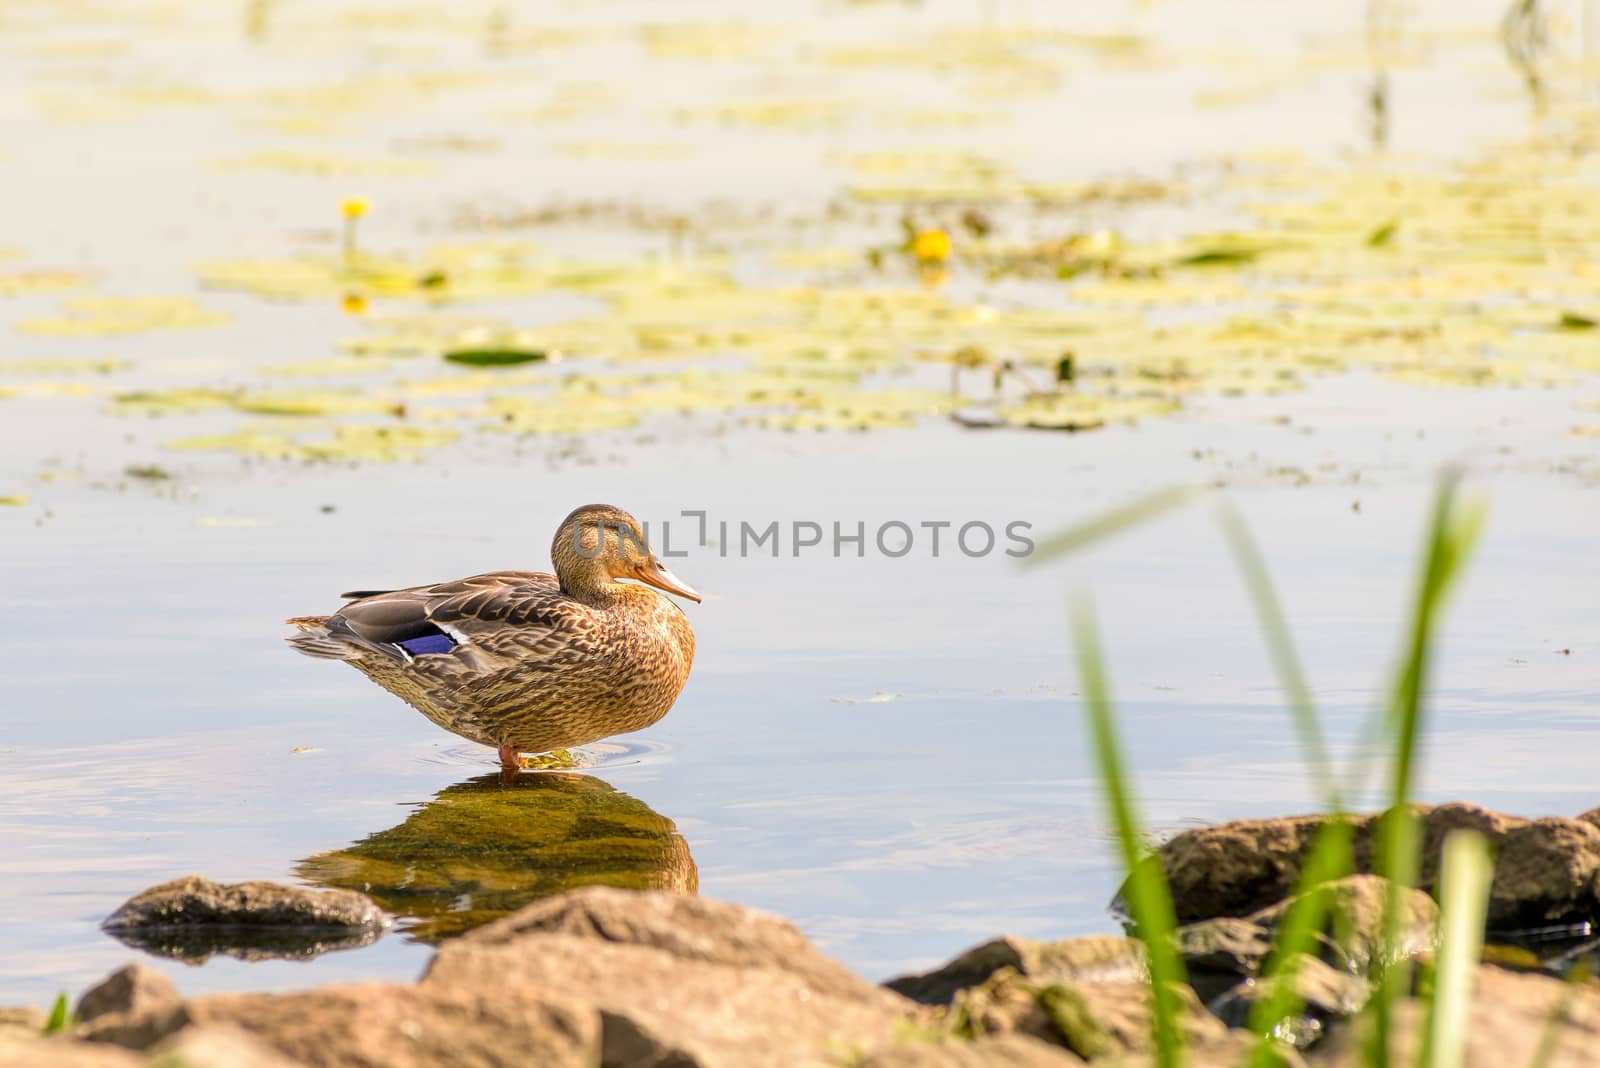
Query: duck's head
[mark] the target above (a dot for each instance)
(599, 544)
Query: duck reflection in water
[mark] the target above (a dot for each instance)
(489, 845)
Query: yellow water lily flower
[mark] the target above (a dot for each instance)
(931, 247)
(353, 207)
(354, 303)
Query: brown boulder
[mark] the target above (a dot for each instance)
(1325, 995)
(1003, 1051)
(1355, 910)
(193, 918)
(1219, 952)
(24, 1020)
(1545, 870)
(195, 900)
(18, 1050)
(1100, 958)
(679, 981)
(1092, 1020)
(688, 928)
(217, 1047)
(379, 1025)
(1232, 1049)
(135, 988)
(1510, 1016)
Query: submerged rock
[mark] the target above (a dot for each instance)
(1545, 870)
(193, 918)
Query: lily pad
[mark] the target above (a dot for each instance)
(495, 357)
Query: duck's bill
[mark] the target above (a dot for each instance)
(656, 574)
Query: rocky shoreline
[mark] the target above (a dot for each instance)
(607, 977)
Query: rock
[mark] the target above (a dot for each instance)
(24, 1019)
(193, 918)
(1325, 993)
(1090, 960)
(388, 1025)
(679, 981)
(1232, 1049)
(1216, 953)
(1592, 816)
(36, 1051)
(689, 928)
(196, 900)
(135, 1007)
(1545, 870)
(135, 988)
(1092, 1020)
(1510, 1015)
(217, 1047)
(1219, 952)
(1004, 1051)
(1356, 912)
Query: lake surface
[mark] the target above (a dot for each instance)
(886, 750)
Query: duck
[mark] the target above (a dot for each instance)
(526, 661)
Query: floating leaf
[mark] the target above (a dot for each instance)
(494, 357)
(1383, 235)
(104, 316)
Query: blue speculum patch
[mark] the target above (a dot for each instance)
(427, 643)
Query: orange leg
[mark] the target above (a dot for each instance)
(511, 757)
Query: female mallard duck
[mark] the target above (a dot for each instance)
(521, 660)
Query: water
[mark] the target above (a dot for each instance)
(888, 751)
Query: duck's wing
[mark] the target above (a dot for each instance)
(521, 613)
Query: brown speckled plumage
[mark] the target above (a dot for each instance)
(540, 661)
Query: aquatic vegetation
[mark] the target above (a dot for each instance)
(956, 274)
(108, 316)
(375, 444)
(15, 282)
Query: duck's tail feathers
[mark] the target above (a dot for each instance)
(316, 639)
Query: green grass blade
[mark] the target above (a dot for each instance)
(1452, 533)
(1115, 521)
(1464, 873)
(60, 1016)
(1285, 659)
(1148, 896)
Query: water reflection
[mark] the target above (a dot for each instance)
(489, 845)
(198, 944)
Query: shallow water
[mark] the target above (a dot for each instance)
(885, 750)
